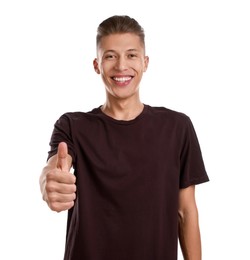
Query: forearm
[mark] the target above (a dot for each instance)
(189, 235)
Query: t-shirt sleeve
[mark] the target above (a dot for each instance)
(62, 132)
(192, 170)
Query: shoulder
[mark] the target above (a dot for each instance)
(168, 114)
(79, 115)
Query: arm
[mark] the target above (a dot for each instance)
(189, 232)
(57, 184)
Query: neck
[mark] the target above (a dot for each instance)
(123, 109)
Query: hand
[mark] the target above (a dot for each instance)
(60, 188)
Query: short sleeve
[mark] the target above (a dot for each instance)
(62, 133)
(192, 168)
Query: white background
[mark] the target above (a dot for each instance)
(199, 65)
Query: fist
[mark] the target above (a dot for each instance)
(60, 188)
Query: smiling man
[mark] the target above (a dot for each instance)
(132, 193)
(121, 61)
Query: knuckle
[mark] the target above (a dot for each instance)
(52, 198)
(50, 187)
(50, 176)
(73, 188)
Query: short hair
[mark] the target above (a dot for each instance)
(119, 24)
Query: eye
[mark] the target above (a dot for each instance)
(132, 55)
(109, 57)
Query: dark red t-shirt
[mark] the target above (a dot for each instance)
(128, 178)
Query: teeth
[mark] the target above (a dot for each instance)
(123, 79)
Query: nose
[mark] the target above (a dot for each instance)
(121, 64)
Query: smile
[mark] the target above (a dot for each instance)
(122, 79)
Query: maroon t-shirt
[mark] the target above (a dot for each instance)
(128, 178)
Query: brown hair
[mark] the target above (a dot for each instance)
(119, 24)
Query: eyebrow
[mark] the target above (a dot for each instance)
(129, 50)
(133, 50)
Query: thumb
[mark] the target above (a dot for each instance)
(62, 157)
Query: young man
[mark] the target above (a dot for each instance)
(135, 166)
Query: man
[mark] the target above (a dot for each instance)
(135, 166)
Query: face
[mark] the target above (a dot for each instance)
(121, 61)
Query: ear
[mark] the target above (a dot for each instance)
(146, 61)
(96, 67)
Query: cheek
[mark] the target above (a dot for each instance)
(105, 67)
(141, 66)
(141, 69)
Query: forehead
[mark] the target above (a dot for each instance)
(120, 42)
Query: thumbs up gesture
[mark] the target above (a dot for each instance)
(57, 183)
